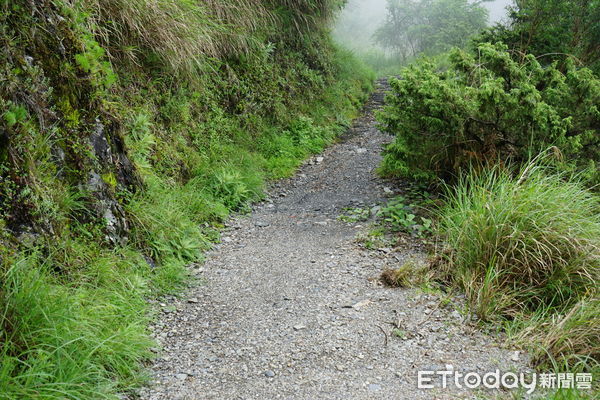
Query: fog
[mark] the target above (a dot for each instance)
(497, 9)
(361, 18)
(358, 22)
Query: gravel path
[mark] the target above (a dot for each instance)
(292, 307)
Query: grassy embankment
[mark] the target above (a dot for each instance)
(130, 130)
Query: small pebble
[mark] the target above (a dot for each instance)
(269, 374)
(373, 387)
(299, 327)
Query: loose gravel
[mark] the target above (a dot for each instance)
(292, 307)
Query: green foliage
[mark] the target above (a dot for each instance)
(490, 107)
(235, 187)
(179, 36)
(410, 274)
(72, 341)
(399, 333)
(140, 142)
(15, 115)
(528, 245)
(92, 61)
(410, 30)
(374, 239)
(352, 215)
(165, 224)
(553, 30)
(429, 26)
(185, 37)
(285, 150)
(402, 217)
(567, 340)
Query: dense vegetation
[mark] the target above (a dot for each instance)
(489, 107)
(525, 248)
(552, 30)
(509, 126)
(129, 130)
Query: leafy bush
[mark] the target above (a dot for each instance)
(403, 217)
(523, 245)
(490, 107)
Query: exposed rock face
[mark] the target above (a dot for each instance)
(60, 108)
(100, 145)
(105, 205)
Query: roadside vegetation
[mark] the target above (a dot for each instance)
(525, 247)
(488, 108)
(505, 128)
(130, 130)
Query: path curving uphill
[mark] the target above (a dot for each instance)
(292, 308)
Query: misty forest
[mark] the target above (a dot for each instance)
(299, 199)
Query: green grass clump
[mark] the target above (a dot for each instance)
(528, 245)
(62, 339)
(284, 151)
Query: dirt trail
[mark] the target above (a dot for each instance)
(291, 307)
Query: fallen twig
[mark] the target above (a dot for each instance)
(385, 335)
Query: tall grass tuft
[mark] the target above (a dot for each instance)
(72, 341)
(527, 247)
(184, 35)
(309, 13)
(187, 35)
(180, 33)
(569, 338)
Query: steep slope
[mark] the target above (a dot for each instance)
(129, 130)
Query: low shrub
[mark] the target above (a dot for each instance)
(489, 107)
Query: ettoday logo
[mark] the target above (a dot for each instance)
(502, 380)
